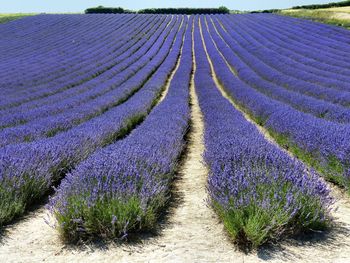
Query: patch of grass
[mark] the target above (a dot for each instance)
(14, 201)
(323, 16)
(53, 132)
(17, 193)
(343, 9)
(332, 169)
(4, 18)
(254, 224)
(108, 217)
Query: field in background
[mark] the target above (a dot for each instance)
(344, 9)
(9, 17)
(339, 16)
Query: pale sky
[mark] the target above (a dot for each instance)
(56, 6)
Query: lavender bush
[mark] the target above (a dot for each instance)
(121, 88)
(127, 183)
(28, 170)
(259, 191)
(93, 88)
(320, 143)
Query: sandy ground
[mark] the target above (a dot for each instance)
(317, 247)
(191, 233)
(340, 13)
(344, 9)
(341, 16)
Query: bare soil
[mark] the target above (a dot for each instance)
(192, 232)
(341, 16)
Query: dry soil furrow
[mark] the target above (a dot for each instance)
(191, 233)
(318, 247)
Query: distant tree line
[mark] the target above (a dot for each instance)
(334, 4)
(266, 11)
(185, 11)
(108, 10)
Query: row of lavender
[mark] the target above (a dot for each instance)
(257, 189)
(51, 45)
(254, 71)
(68, 113)
(318, 79)
(126, 185)
(115, 61)
(28, 170)
(86, 43)
(128, 65)
(315, 130)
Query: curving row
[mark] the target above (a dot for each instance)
(53, 87)
(321, 142)
(71, 52)
(28, 170)
(258, 190)
(294, 69)
(120, 92)
(129, 64)
(272, 83)
(106, 126)
(126, 185)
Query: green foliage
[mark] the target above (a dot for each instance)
(185, 11)
(329, 5)
(224, 10)
(11, 205)
(4, 18)
(323, 16)
(14, 203)
(109, 217)
(331, 168)
(266, 11)
(107, 10)
(252, 225)
(96, 219)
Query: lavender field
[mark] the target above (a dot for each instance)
(210, 135)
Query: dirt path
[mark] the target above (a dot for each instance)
(319, 247)
(191, 234)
